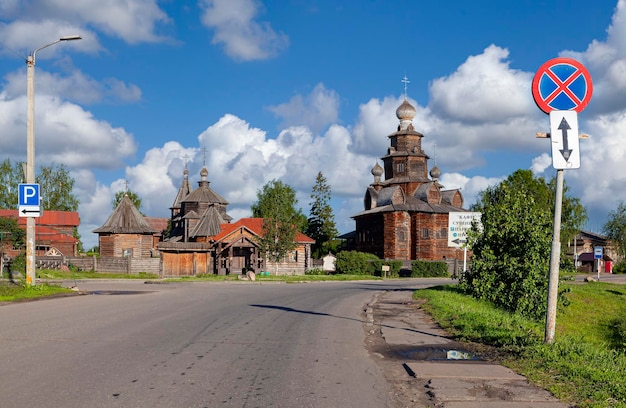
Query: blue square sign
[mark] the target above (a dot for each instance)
(28, 195)
(597, 252)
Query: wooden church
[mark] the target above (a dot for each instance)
(406, 213)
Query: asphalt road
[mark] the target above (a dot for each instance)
(130, 344)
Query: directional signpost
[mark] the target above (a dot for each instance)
(562, 88)
(458, 225)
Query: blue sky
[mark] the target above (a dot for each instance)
(284, 89)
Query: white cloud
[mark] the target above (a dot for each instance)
(240, 159)
(541, 163)
(377, 119)
(317, 110)
(235, 27)
(64, 133)
(25, 35)
(470, 187)
(134, 21)
(154, 178)
(476, 91)
(75, 86)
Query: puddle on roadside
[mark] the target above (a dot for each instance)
(430, 353)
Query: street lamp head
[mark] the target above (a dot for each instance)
(71, 38)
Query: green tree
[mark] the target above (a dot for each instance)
(511, 254)
(11, 174)
(573, 214)
(134, 198)
(276, 204)
(615, 229)
(321, 223)
(56, 188)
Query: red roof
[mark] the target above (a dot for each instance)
(46, 226)
(256, 226)
(50, 218)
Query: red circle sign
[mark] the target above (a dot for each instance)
(562, 84)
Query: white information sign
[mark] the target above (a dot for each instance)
(564, 137)
(458, 225)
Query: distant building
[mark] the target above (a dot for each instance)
(126, 233)
(582, 247)
(405, 215)
(202, 239)
(54, 232)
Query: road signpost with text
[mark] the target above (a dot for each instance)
(458, 225)
(562, 88)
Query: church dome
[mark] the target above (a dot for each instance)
(204, 173)
(405, 111)
(435, 172)
(377, 170)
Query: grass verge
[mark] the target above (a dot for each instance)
(13, 292)
(586, 364)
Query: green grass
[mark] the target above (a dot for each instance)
(585, 365)
(12, 292)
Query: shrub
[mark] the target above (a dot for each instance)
(355, 263)
(18, 265)
(426, 269)
(620, 267)
(315, 271)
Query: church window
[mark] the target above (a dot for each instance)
(400, 167)
(425, 233)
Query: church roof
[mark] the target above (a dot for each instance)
(209, 224)
(126, 219)
(414, 205)
(183, 191)
(204, 193)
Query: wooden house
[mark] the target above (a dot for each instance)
(126, 233)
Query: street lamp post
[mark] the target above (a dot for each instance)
(30, 153)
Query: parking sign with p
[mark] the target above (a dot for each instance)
(29, 200)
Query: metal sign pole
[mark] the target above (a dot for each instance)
(555, 255)
(465, 258)
(561, 87)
